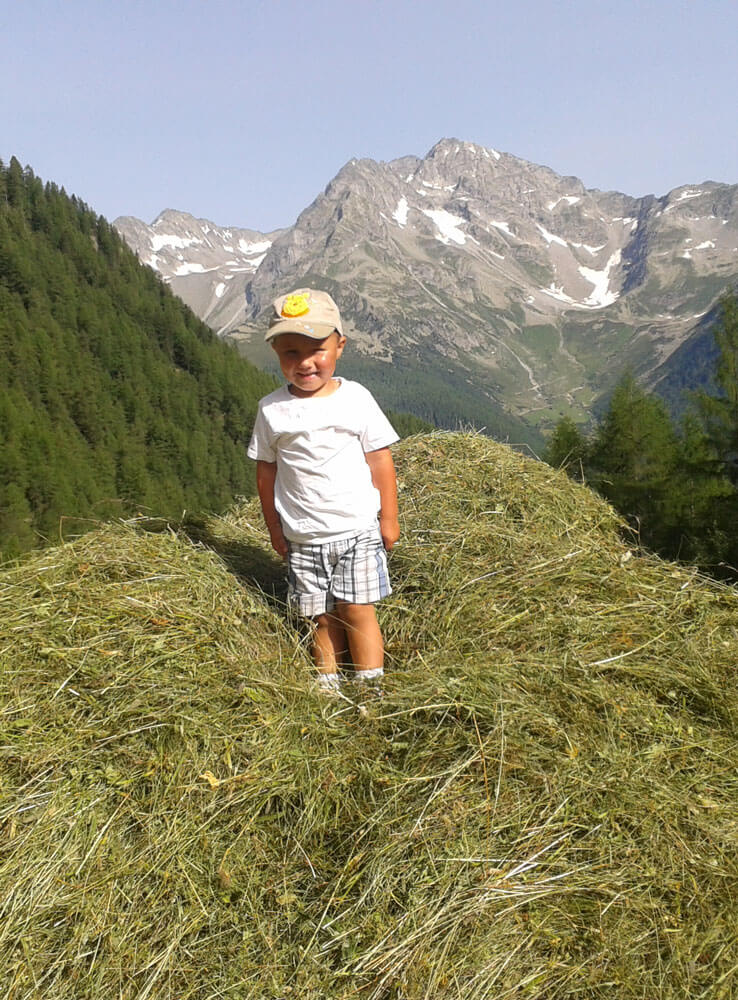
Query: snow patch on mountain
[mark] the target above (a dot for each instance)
(400, 213)
(192, 267)
(158, 242)
(588, 248)
(570, 199)
(259, 248)
(557, 292)
(602, 294)
(549, 237)
(447, 225)
(438, 187)
(684, 196)
(707, 245)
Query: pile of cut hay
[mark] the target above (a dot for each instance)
(544, 804)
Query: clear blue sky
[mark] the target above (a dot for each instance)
(241, 112)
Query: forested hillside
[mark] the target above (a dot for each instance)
(113, 395)
(677, 483)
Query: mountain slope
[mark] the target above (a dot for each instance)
(530, 291)
(543, 804)
(691, 366)
(204, 264)
(113, 394)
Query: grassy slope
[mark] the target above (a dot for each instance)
(544, 804)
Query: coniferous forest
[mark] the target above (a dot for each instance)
(114, 397)
(677, 484)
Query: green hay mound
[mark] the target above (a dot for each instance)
(544, 803)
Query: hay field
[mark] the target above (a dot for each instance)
(544, 804)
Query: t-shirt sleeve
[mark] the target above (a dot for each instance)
(377, 431)
(261, 445)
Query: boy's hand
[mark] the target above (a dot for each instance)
(383, 476)
(279, 542)
(390, 531)
(266, 476)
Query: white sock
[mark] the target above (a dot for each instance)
(329, 681)
(368, 675)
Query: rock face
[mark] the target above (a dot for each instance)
(519, 283)
(205, 264)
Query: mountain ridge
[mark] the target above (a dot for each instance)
(533, 289)
(229, 250)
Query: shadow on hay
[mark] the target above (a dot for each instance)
(251, 563)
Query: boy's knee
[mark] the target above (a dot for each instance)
(327, 620)
(355, 612)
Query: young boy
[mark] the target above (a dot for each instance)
(326, 483)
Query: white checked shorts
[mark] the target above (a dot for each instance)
(351, 569)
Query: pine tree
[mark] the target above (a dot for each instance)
(567, 448)
(699, 494)
(720, 412)
(633, 461)
(719, 415)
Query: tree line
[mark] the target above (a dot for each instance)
(114, 397)
(676, 483)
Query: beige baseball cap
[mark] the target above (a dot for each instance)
(307, 311)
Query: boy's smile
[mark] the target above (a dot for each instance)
(308, 364)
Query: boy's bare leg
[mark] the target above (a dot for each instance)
(329, 643)
(363, 634)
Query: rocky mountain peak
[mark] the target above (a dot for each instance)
(204, 263)
(524, 280)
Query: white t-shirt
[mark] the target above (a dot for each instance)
(324, 488)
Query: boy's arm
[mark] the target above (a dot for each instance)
(382, 469)
(266, 475)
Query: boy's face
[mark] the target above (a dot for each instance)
(307, 364)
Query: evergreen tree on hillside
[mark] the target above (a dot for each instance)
(699, 495)
(720, 412)
(633, 460)
(407, 424)
(567, 448)
(677, 489)
(114, 397)
(719, 419)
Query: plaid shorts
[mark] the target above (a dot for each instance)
(351, 569)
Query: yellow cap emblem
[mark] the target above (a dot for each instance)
(295, 305)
